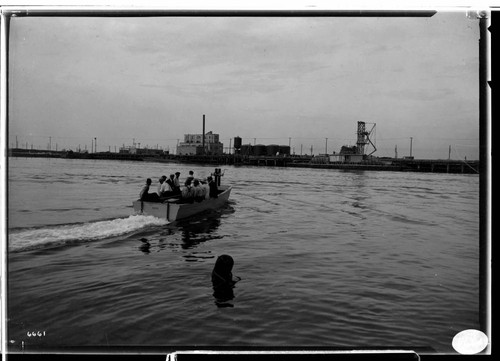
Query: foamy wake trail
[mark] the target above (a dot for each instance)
(57, 235)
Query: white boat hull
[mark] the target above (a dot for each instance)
(172, 211)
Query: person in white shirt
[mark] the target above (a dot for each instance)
(161, 181)
(206, 189)
(164, 190)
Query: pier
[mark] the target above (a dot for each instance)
(417, 165)
(400, 165)
(293, 161)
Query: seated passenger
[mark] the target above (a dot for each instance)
(187, 194)
(171, 183)
(161, 186)
(214, 191)
(206, 189)
(145, 196)
(190, 176)
(166, 190)
(199, 193)
(177, 183)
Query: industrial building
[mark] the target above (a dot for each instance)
(194, 144)
(347, 155)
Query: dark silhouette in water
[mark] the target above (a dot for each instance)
(145, 246)
(223, 281)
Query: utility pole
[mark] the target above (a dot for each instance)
(449, 152)
(301, 150)
(289, 141)
(92, 150)
(326, 146)
(396, 152)
(50, 143)
(411, 145)
(95, 144)
(203, 136)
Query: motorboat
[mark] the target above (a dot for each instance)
(174, 208)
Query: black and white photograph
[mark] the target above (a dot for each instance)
(249, 179)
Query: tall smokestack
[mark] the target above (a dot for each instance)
(203, 135)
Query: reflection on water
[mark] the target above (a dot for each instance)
(186, 234)
(195, 231)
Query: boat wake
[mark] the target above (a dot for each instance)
(35, 238)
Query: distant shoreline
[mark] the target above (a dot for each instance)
(378, 164)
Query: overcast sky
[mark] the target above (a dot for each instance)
(268, 80)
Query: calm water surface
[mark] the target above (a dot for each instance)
(328, 258)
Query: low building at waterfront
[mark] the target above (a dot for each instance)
(141, 151)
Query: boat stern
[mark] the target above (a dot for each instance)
(159, 210)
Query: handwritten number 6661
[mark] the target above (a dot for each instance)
(36, 334)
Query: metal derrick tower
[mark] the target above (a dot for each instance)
(364, 138)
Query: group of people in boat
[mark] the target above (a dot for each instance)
(193, 190)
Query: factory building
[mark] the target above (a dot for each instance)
(346, 158)
(193, 145)
(347, 155)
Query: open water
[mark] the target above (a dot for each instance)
(328, 259)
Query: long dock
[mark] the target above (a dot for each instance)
(417, 165)
(378, 164)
